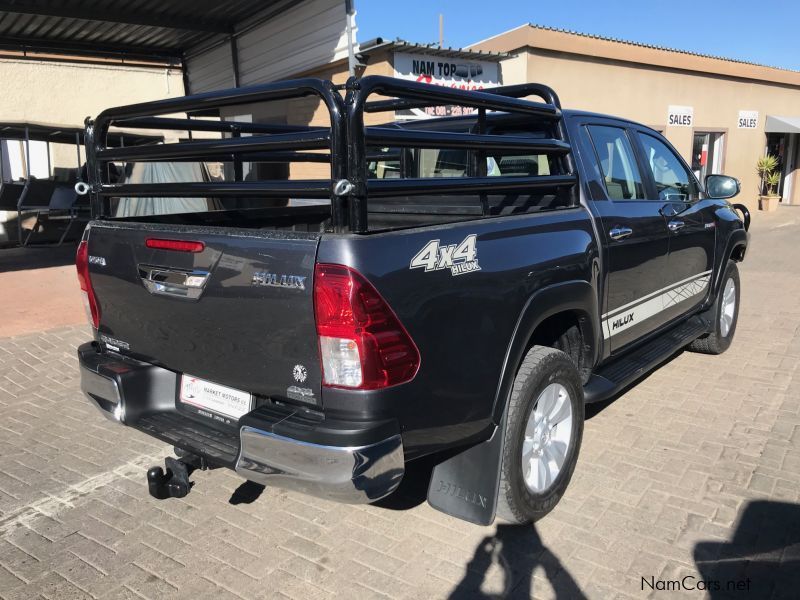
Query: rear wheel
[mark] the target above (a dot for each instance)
(726, 314)
(542, 437)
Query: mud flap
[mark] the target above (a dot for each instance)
(466, 485)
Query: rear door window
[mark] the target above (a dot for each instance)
(617, 162)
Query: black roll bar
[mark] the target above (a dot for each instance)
(410, 138)
(380, 188)
(544, 92)
(147, 114)
(410, 93)
(306, 140)
(309, 188)
(173, 124)
(348, 142)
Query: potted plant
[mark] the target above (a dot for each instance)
(768, 168)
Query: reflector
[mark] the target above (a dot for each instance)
(176, 245)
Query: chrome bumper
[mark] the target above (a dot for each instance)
(344, 474)
(103, 393)
(130, 391)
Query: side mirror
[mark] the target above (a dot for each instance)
(722, 187)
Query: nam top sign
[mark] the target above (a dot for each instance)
(462, 74)
(680, 116)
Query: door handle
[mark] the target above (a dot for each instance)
(675, 225)
(620, 233)
(182, 284)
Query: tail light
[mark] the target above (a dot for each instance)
(89, 299)
(362, 343)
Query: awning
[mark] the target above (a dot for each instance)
(219, 44)
(145, 29)
(782, 124)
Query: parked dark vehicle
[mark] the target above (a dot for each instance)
(458, 286)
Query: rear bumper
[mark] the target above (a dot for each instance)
(346, 474)
(344, 463)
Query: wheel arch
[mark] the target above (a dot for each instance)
(570, 301)
(735, 249)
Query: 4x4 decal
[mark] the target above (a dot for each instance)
(459, 258)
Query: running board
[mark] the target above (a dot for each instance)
(616, 375)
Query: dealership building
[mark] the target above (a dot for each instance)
(721, 114)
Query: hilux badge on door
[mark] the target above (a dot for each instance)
(264, 278)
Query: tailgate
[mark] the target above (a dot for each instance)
(239, 312)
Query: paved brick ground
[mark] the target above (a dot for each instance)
(693, 468)
(39, 289)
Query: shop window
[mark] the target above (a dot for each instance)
(707, 154)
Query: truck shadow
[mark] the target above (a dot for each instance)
(762, 559)
(511, 555)
(36, 257)
(595, 408)
(247, 493)
(413, 489)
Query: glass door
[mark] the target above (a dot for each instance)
(707, 154)
(785, 147)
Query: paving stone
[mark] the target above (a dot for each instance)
(669, 475)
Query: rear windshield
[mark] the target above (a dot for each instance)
(409, 163)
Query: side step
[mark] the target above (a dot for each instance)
(614, 376)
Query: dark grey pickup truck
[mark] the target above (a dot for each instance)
(340, 300)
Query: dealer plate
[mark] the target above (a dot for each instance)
(214, 397)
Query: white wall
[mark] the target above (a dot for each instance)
(302, 37)
(66, 93)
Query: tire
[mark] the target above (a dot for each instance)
(721, 337)
(542, 370)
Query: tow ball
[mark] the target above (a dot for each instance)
(172, 484)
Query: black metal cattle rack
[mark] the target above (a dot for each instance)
(410, 94)
(260, 143)
(346, 140)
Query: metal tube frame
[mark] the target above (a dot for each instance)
(346, 140)
(279, 139)
(412, 94)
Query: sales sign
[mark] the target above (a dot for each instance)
(458, 73)
(748, 119)
(680, 116)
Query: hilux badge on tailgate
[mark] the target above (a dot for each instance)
(267, 279)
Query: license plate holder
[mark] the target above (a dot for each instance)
(207, 396)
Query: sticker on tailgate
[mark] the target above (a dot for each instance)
(219, 399)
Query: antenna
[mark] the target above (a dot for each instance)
(441, 30)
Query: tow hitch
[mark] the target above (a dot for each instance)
(175, 482)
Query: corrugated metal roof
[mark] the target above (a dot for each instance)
(149, 28)
(652, 46)
(433, 49)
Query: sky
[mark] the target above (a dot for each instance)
(760, 32)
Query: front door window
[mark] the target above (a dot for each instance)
(673, 182)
